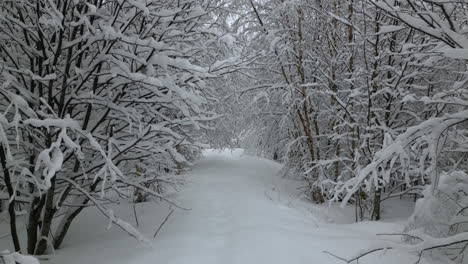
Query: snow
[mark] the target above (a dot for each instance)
(389, 29)
(241, 210)
(16, 258)
(456, 53)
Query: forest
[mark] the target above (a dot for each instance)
(115, 113)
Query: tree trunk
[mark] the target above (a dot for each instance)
(376, 207)
(11, 205)
(47, 220)
(33, 222)
(65, 224)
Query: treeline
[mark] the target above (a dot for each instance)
(367, 100)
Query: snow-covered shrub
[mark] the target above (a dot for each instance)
(440, 214)
(443, 213)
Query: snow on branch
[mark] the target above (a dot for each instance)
(110, 214)
(429, 131)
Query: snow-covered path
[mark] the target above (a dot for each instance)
(237, 216)
(232, 220)
(241, 212)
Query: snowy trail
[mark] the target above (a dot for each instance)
(233, 219)
(241, 212)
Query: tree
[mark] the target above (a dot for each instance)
(432, 151)
(90, 88)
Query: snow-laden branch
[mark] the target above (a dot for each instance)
(109, 214)
(430, 131)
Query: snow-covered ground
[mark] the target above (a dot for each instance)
(240, 210)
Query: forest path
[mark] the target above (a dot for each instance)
(237, 216)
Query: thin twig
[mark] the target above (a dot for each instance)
(136, 217)
(162, 224)
(407, 235)
(335, 256)
(368, 252)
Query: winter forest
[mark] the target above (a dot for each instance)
(233, 131)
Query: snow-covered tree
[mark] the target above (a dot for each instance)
(98, 98)
(329, 96)
(430, 153)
